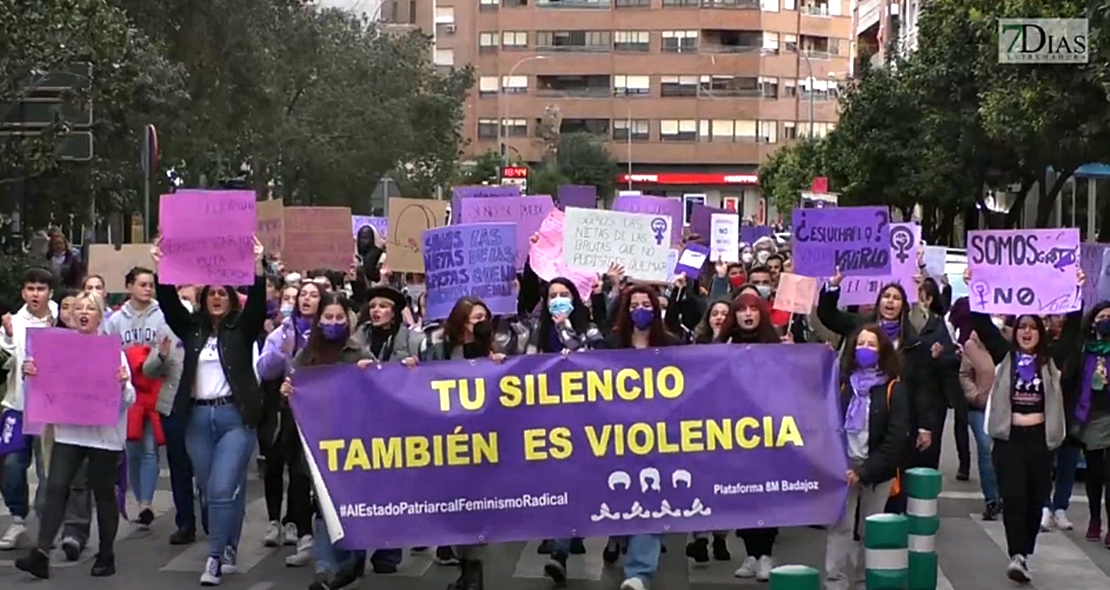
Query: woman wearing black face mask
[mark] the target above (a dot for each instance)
(1090, 416)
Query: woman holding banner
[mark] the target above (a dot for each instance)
(1092, 412)
(1025, 416)
(638, 325)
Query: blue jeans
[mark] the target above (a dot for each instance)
(220, 448)
(142, 466)
(643, 556)
(15, 491)
(181, 473)
(1067, 458)
(331, 559)
(987, 480)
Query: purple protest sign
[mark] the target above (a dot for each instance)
(77, 378)
(855, 239)
(905, 239)
(207, 238)
(1024, 271)
(472, 260)
(613, 442)
(1094, 259)
(661, 206)
(527, 213)
(380, 224)
(750, 233)
(576, 195)
(691, 260)
(701, 218)
(459, 193)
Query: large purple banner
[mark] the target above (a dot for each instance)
(591, 444)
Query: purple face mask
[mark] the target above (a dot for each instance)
(334, 332)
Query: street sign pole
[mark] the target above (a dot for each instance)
(149, 161)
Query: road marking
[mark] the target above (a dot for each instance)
(262, 586)
(1076, 496)
(1057, 561)
(251, 550)
(579, 567)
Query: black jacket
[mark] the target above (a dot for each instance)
(918, 370)
(239, 331)
(888, 432)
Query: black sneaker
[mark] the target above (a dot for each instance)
(343, 580)
(104, 566)
(577, 546)
(445, 555)
(962, 474)
(71, 548)
(36, 563)
(320, 582)
(146, 517)
(556, 569)
(183, 537)
(611, 553)
(992, 510)
(383, 567)
(545, 547)
(698, 550)
(720, 549)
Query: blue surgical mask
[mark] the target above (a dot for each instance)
(764, 291)
(642, 317)
(334, 332)
(867, 358)
(287, 310)
(558, 306)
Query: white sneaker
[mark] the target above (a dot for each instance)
(1018, 570)
(14, 536)
(273, 534)
(763, 571)
(1062, 521)
(291, 536)
(304, 552)
(748, 569)
(1047, 521)
(633, 584)
(229, 562)
(211, 575)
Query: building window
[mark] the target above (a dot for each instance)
(487, 86)
(816, 47)
(487, 42)
(727, 130)
(681, 3)
(488, 4)
(816, 7)
(769, 5)
(719, 86)
(789, 4)
(412, 12)
(515, 3)
(514, 39)
(445, 15)
(514, 127)
(790, 42)
(768, 132)
(770, 43)
(631, 85)
(819, 89)
(678, 86)
(641, 129)
(514, 84)
(574, 40)
(678, 130)
(820, 129)
(789, 88)
(444, 57)
(633, 3)
(572, 3)
(631, 41)
(680, 41)
(734, 4)
(487, 128)
(789, 130)
(768, 87)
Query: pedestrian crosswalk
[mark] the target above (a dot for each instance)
(973, 557)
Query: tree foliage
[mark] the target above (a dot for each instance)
(948, 123)
(316, 104)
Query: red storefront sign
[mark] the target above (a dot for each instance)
(689, 178)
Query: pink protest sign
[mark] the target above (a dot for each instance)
(905, 239)
(1024, 271)
(77, 378)
(526, 212)
(207, 238)
(546, 256)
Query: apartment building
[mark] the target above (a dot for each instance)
(691, 95)
(887, 28)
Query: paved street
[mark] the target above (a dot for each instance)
(972, 557)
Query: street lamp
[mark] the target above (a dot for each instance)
(812, 82)
(500, 119)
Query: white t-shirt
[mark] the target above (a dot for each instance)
(211, 382)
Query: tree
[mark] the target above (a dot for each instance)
(487, 168)
(582, 158)
(791, 170)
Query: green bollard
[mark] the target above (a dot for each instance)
(923, 487)
(795, 577)
(885, 551)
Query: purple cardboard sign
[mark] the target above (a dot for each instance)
(1024, 271)
(750, 233)
(380, 224)
(701, 218)
(576, 195)
(207, 238)
(855, 239)
(77, 381)
(459, 193)
(905, 240)
(1094, 259)
(527, 213)
(471, 260)
(661, 206)
(520, 465)
(691, 260)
